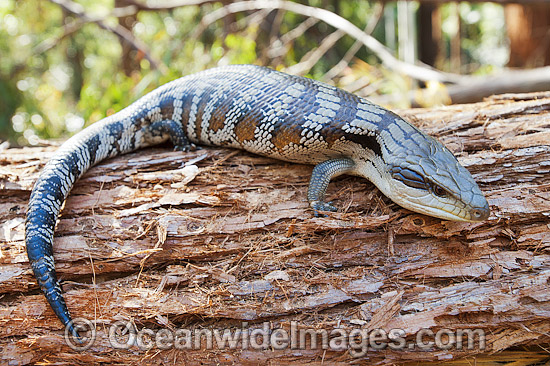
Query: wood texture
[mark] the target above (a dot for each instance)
(229, 239)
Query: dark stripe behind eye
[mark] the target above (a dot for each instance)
(409, 178)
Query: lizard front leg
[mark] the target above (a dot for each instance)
(320, 178)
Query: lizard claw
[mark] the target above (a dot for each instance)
(322, 206)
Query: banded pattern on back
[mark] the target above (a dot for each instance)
(269, 113)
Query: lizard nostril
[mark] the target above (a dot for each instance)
(480, 214)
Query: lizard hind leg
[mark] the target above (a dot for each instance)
(175, 132)
(320, 178)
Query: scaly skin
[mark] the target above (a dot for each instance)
(268, 113)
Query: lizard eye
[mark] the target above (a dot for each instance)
(439, 191)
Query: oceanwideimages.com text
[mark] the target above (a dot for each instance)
(358, 341)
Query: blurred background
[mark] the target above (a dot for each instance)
(67, 64)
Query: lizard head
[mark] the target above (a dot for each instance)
(424, 176)
(418, 172)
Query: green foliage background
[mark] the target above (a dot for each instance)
(52, 92)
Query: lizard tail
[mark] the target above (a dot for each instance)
(112, 136)
(47, 197)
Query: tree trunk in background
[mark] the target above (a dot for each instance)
(528, 27)
(456, 40)
(130, 57)
(429, 33)
(406, 32)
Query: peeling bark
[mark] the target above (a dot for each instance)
(228, 241)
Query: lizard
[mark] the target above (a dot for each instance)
(269, 113)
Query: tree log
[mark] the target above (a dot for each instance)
(513, 81)
(227, 242)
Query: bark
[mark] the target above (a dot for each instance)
(228, 241)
